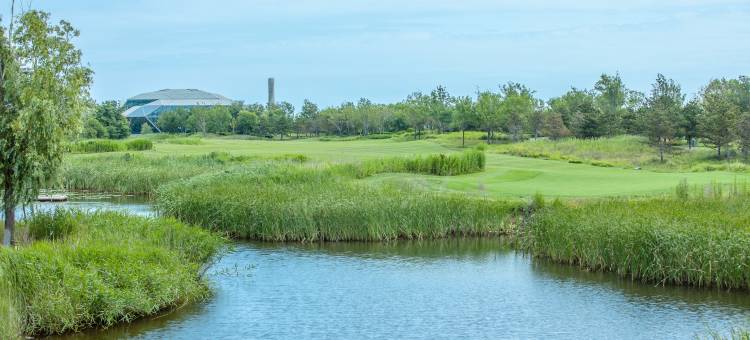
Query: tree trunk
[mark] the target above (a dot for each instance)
(718, 150)
(9, 206)
(661, 150)
(463, 138)
(10, 224)
(489, 136)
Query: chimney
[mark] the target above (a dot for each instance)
(271, 100)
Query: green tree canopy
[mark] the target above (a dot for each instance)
(44, 90)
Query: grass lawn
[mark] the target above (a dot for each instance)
(510, 176)
(505, 175)
(317, 150)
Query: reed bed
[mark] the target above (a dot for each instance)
(291, 203)
(697, 240)
(466, 162)
(135, 173)
(108, 145)
(110, 268)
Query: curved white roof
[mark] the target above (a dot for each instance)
(179, 94)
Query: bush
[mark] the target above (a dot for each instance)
(139, 144)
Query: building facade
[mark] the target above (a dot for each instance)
(146, 107)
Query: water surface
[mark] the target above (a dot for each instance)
(446, 289)
(449, 289)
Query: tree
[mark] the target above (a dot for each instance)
(743, 132)
(690, 114)
(109, 114)
(717, 120)
(365, 112)
(578, 112)
(464, 116)
(610, 100)
(247, 122)
(554, 127)
(488, 112)
(219, 119)
(198, 120)
(146, 129)
(662, 119)
(308, 116)
(440, 107)
(280, 118)
(173, 121)
(44, 90)
(517, 105)
(92, 128)
(415, 109)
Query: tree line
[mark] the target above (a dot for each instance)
(718, 116)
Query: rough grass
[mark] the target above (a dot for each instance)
(692, 240)
(111, 268)
(624, 152)
(287, 203)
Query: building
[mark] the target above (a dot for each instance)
(146, 107)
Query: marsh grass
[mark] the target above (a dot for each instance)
(108, 145)
(136, 173)
(291, 203)
(111, 268)
(696, 237)
(466, 162)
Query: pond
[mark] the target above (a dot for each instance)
(457, 288)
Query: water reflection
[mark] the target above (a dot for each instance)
(136, 205)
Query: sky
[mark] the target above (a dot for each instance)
(342, 50)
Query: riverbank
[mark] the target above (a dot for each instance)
(74, 271)
(703, 242)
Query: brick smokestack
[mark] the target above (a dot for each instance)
(271, 99)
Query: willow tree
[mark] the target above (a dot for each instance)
(44, 89)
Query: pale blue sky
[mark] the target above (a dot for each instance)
(331, 51)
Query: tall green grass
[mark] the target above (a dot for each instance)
(108, 145)
(135, 173)
(110, 268)
(692, 240)
(466, 162)
(291, 203)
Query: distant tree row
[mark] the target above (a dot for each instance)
(719, 115)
